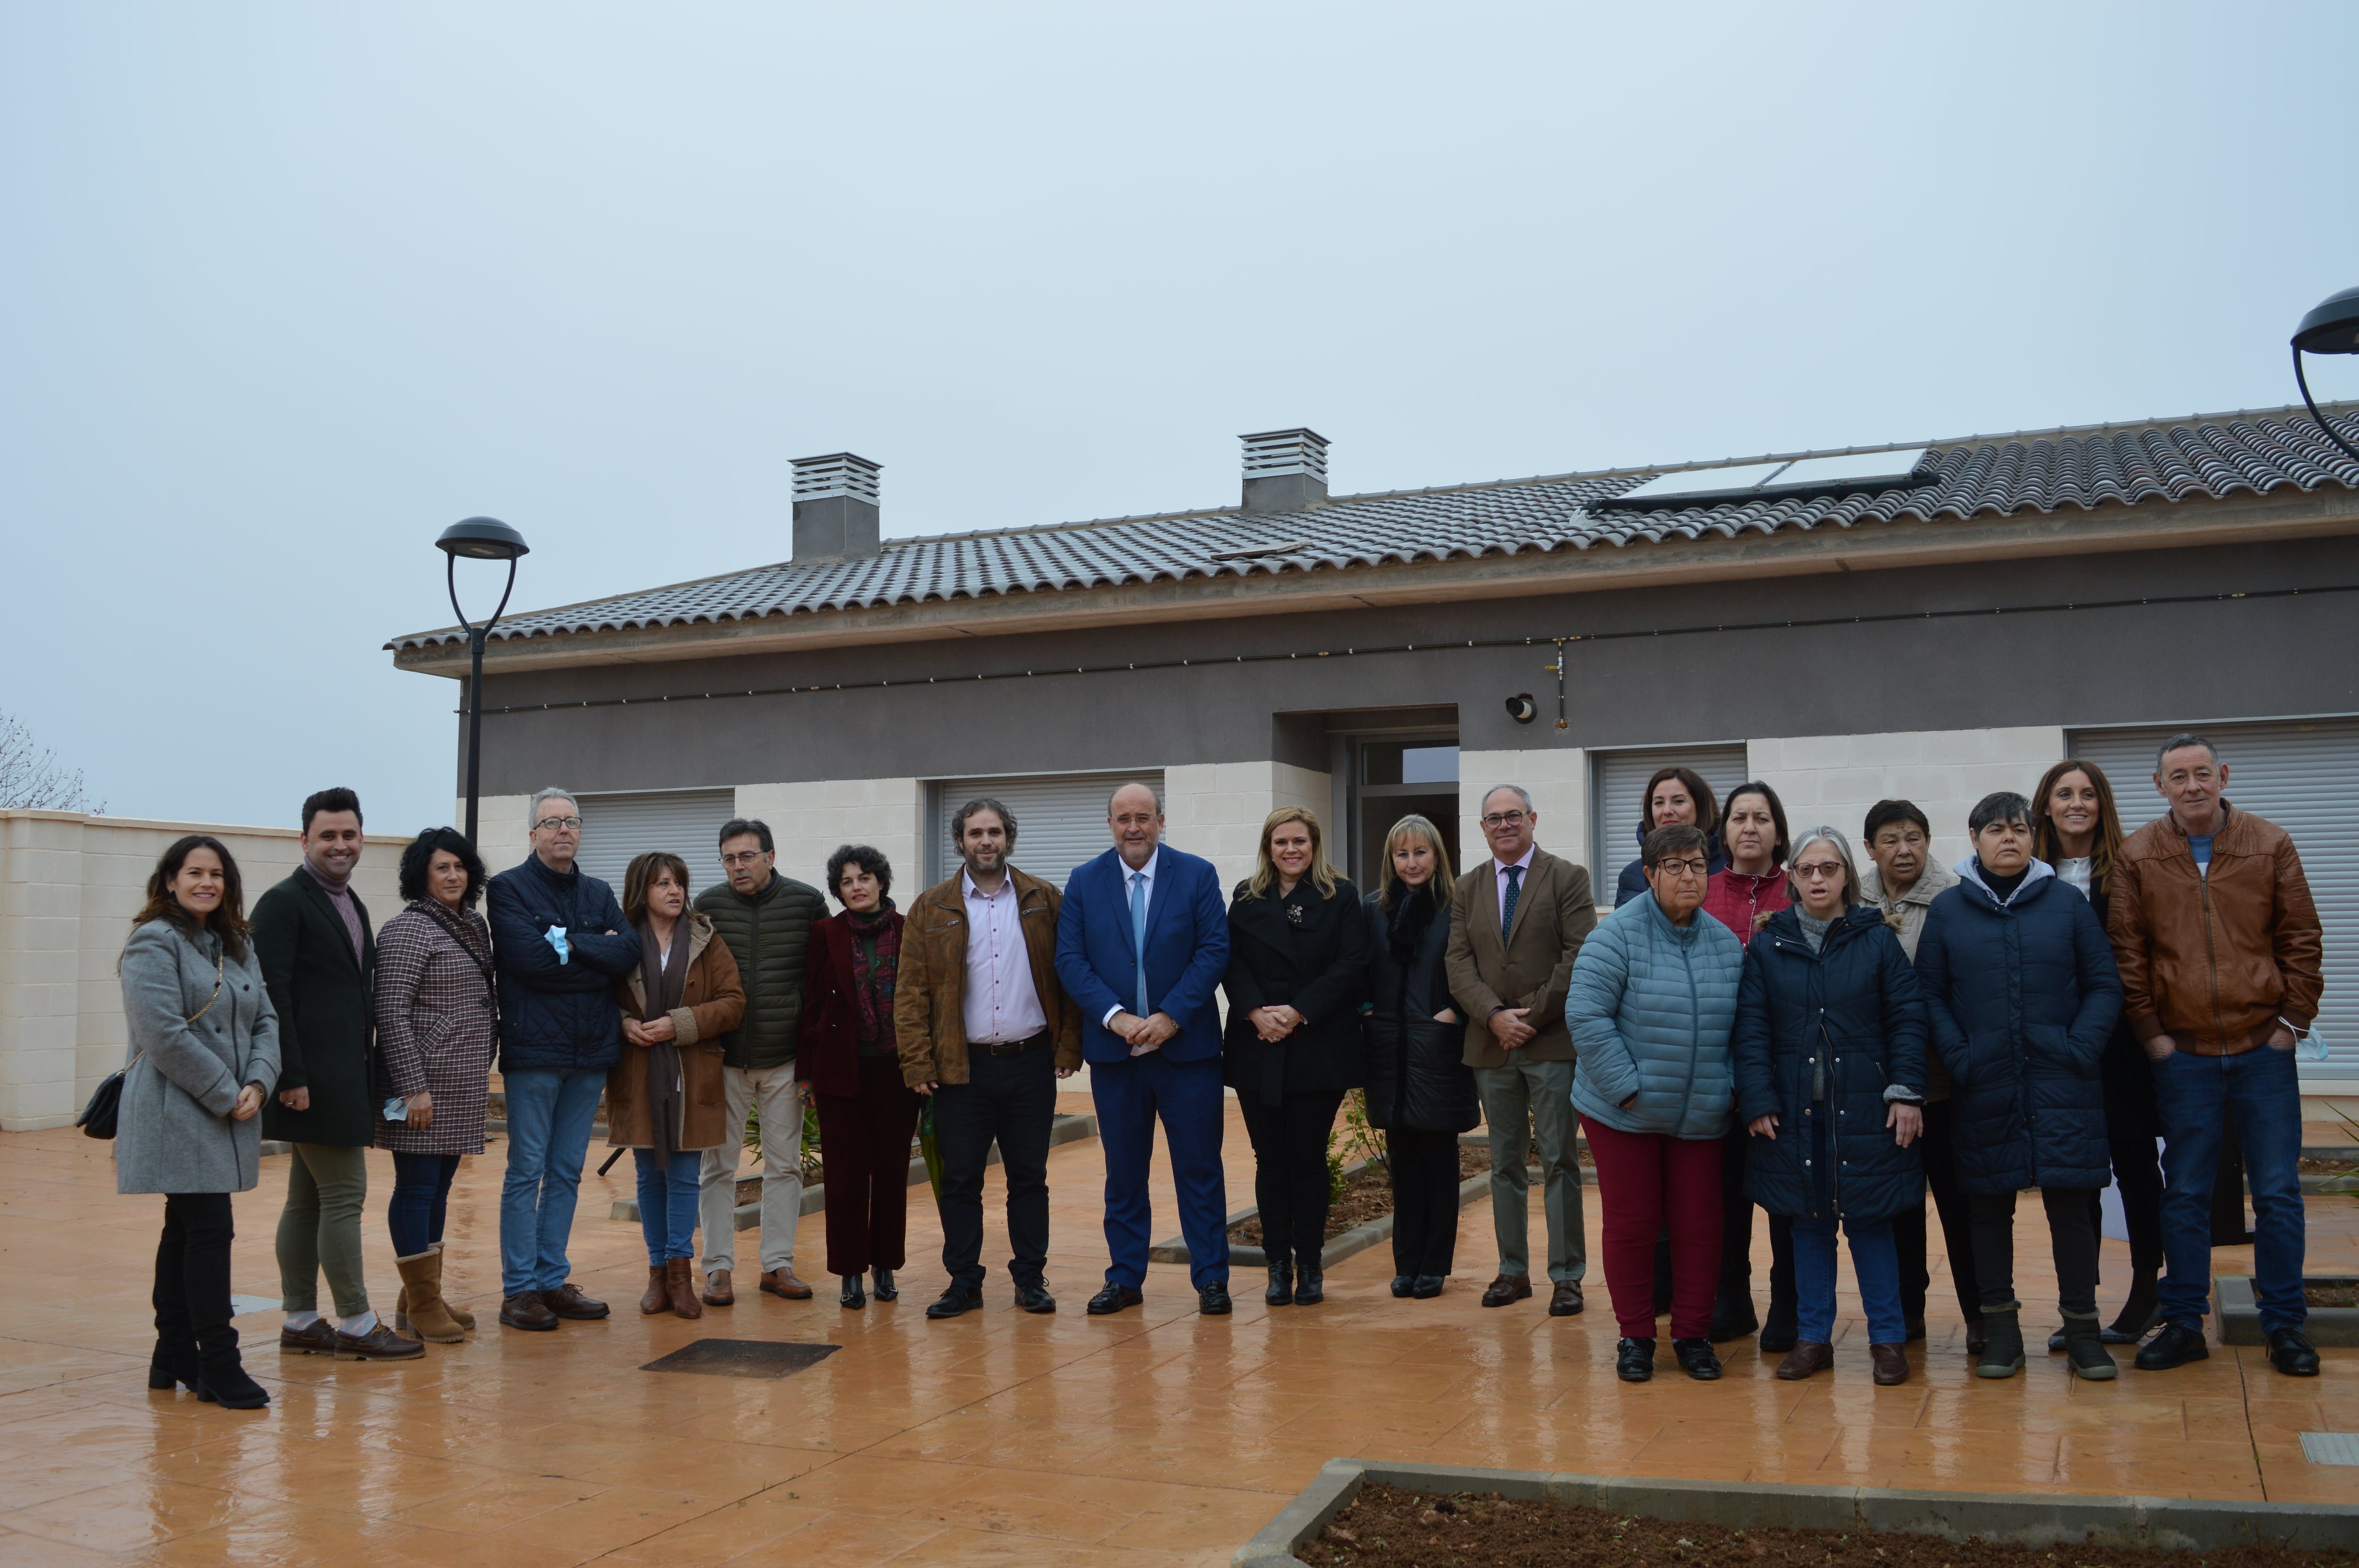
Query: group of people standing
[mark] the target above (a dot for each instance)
(1759, 1021)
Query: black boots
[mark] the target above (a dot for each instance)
(1281, 1285)
(2084, 1348)
(853, 1297)
(886, 1291)
(2138, 1315)
(2002, 1354)
(1309, 1284)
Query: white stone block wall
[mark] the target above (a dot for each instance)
(1216, 810)
(1833, 779)
(68, 886)
(502, 836)
(811, 821)
(1557, 781)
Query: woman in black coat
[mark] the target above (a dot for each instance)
(1420, 1094)
(2022, 994)
(1297, 965)
(1830, 1048)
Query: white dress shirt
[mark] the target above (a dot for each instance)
(1145, 902)
(1001, 1005)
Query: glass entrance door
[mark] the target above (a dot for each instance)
(1396, 775)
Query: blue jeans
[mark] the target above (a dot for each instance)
(1873, 1259)
(422, 1195)
(549, 1113)
(2196, 1095)
(667, 1198)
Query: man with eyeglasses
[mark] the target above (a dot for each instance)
(766, 920)
(560, 943)
(1523, 914)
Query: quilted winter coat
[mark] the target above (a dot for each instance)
(1417, 1077)
(1850, 1019)
(2022, 997)
(1651, 1007)
(557, 1013)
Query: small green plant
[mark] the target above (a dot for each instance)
(1363, 1140)
(807, 1161)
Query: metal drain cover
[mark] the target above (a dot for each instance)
(742, 1359)
(2331, 1447)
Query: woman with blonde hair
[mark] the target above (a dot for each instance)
(1297, 968)
(1420, 1092)
(664, 1099)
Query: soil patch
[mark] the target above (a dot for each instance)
(1367, 1196)
(1388, 1528)
(2330, 1295)
(2313, 1167)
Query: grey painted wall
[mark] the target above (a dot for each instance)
(2091, 667)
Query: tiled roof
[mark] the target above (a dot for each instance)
(2204, 457)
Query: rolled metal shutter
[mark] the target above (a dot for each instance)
(1615, 779)
(2297, 774)
(617, 828)
(1061, 818)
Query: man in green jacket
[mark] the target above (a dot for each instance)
(318, 959)
(766, 919)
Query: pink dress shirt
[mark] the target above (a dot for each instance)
(1001, 1005)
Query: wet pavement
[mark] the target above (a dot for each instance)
(1153, 1437)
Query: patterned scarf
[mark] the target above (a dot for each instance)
(872, 986)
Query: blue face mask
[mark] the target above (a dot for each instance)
(556, 934)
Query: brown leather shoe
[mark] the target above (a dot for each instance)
(658, 1294)
(379, 1344)
(718, 1291)
(782, 1282)
(1565, 1300)
(680, 1282)
(1804, 1359)
(567, 1301)
(526, 1310)
(320, 1340)
(1891, 1364)
(1508, 1288)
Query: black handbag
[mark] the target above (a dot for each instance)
(97, 1119)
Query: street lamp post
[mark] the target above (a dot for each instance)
(2333, 327)
(483, 540)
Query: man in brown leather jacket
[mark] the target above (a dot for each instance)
(2218, 942)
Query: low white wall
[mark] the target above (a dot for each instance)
(69, 884)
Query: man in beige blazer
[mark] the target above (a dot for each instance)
(1522, 917)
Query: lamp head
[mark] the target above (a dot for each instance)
(483, 540)
(2333, 327)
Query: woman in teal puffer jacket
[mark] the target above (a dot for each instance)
(1651, 1005)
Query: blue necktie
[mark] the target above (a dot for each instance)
(1507, 910)
(1138, 932)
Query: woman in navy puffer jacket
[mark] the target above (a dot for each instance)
(2022, 990)
(1829, 1047)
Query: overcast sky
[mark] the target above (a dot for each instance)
(285, 289)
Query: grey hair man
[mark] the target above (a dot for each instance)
(1524, 915)
(766, 920)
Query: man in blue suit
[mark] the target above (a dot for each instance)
(1141, 942)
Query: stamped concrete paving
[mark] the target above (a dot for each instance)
(1156, 1437)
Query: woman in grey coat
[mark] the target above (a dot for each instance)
(205, 1053)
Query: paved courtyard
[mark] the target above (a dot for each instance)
(1154, 1437)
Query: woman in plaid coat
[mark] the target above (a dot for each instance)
(436, 1026)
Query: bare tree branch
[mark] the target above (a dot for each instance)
(32, 778)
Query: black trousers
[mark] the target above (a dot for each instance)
(1012, 1099)
(1939, 1152)
(2130, 1130)
(1737, 1241)
(1425, 1200)
(1289, 1145)
(191, 1295)
(2072, 1232)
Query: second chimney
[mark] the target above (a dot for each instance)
(1286, 471)
(835, 508)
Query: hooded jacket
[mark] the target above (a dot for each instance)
(1651, 1007)
(2022, 993)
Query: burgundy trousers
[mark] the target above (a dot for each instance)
(863, 1143)
(1647, 1182)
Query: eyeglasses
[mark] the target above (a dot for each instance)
(1696, 867)
(1503, 819)
(560, 823)
(1818, 869)
(747, 858)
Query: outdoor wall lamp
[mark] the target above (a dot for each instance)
(2333, 327)
(1522, 708)
(480, 539)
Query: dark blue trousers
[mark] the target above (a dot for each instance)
(1130, 1094)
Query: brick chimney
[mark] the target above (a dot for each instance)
(835, 508)
(1286, 471)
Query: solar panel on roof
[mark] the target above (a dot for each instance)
(1855, 474)
(1702, 481)
(1856, 471)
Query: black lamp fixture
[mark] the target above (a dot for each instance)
(2333, 327)
(480, 539)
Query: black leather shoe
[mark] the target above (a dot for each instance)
(1034, 1297)
(1696, 1359)
(1913, 1329)
(1976, 1340)
(1212, 1300)
(853, 1297)
(1403, 1285)
(2176, 1346)
(1634, 1361)
(886, 1291)
(2290, 1352)
(1781, 1334)
(1310, 1285)
(956, 1300)
(1733, 1320)
(1281, 1285)
(1111, 1300)
(1425, 1287)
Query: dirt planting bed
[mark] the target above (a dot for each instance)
(1386, 1526)
(1367, 1195)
